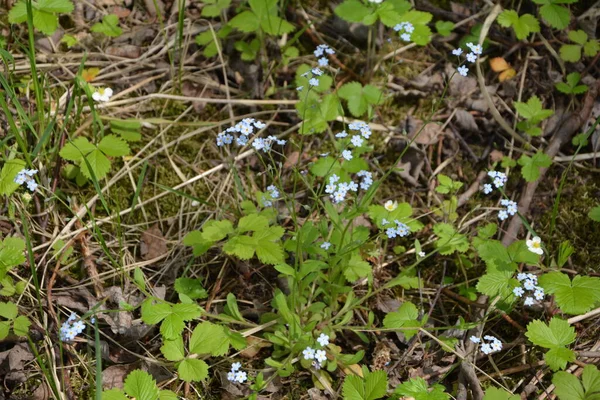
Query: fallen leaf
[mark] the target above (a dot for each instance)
(499, 64)
(496, 156)
(465, 120)
(152, 243)
(506, 75)
(125, 51)
(114, 376)
(254, 346)
(89, 74)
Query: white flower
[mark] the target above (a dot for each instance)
(334, 178)
(463, 70)
(323, 62)
(471, 57)
(347, 154)
(486, 348)
(539, 293)
(529, 284)
(384, 222)
(241, 376)
(342, 134)
(529, 301)
(402, 229)
(390, 205)
(535, 245)
(317, 71)
(231, 376)
(299, 88)
(457, 52)
(518, 291)
(313, 82)
(375, 1)
(521, 276)
(421, 254)
(502, 215)
(405, 37)
(391, 233)
(475, 48)
(308, 353)
(236, 366)
(325, 245)
(323, 339)
(487, 188)
(320, 356)
(102, 95)
(356, 140)
(475, 339)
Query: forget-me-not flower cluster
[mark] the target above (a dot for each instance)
(318, 356)
(236, 374)
(272, 193)
(530, 290)
(71, 328)
(491, 344)
(363, 133)
(244, 130)
(405, 30)
(321, 53)
(26, 176)
(471, 57)
(511, 209)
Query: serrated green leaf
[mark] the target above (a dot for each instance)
(570, 52)
(523, 25)
(594, 214)
(269, 252)
(98, 162)
(4, 329)
(533, 110)
(418, 389)
(141, 385)
(530, 166)
(197, 242)
(109, 26)
(18, 13)
(77, 149)
(214, 231)
(556, 334)
(568, 386)
(10, 169)
(56, 6)
(407, 313)
(45, 22)
(375, 385)
(21, 325)
(573, 297)
(113, 394)
(113, 146)
(493, 393)
(496, 283)
(579, 37)
(241, 246)
(209, 338)
(356, 268)
(449, 240)
(153, 313)
(352, 11)
(253, 222)
(8, 310)
(359, 98)
(555, 15)
(191, 288)
(591, 48)
(444, 28)
(173, 349)
(557, 358)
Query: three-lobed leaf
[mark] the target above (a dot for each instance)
(530, 166)
(573, 297)
(522, 25)
(109, 26)
(554, 336)
(568, 387)
(141, 385)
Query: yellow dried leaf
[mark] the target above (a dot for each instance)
(509, 73)
(89, 74)
(499, 64)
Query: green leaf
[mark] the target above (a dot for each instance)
(572, 87)
(269, 252)
(418, 389)
(493, 393)
(113, 146)
(352, 11)
(591, 381)
(153, 313)
(496, 283)
(568, 386)
(594, 214)
(18, 13)
(558, 358)
(11, 254)
(533, 110)
(373, 386)
(174, 323)
(21, 325)
(214, 231)
(356, 268)
(77, 149)
(209, 338)
(591, 48)
(245, 21)
(109, 26)
(557, 334)
(10, 169)
(523, 25)
(98, 162)
(570, 52)
(444, 28)
(8, 310)
(141, 385)
(214, 10)
(573, 297)
(45, 22)
(406, 316)
(449, 240)
(173, 349)
(556, 16)
(56, 6)
(4, 329)
(192, 369)
(113, 394)
(69, 40)
(253, 223)
(359, 98)
(190, 287)
(197, 242)
(579, 37)
(530, 166)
